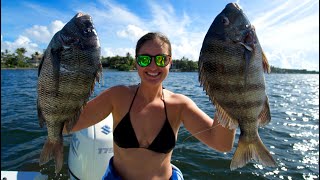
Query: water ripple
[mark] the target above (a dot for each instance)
(292, 136)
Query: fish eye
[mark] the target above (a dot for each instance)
(225, 21)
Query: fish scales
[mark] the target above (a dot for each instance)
(67, 74)
(231, 71)
(226, 82)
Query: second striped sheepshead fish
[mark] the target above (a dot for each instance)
(231, 70)
(66, 78)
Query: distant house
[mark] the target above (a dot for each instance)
(35, 59)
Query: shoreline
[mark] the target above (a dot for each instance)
(16, 68)
(174, 70)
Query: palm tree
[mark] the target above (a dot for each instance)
(21, 52)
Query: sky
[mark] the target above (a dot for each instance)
(288, 30)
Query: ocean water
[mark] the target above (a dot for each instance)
(292, 136)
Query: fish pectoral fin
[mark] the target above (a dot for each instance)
(40, 115)
(71, 122)
(224, 119)
(249, 48)
(247, 57)
(247, 151)
(265, 63)
(264, 117)
(99, 75)
(55, 59)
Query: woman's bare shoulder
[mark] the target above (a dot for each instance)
(122, 89)
(177, 98)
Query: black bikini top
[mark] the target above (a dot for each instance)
(125, 137)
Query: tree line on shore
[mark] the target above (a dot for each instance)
(121, 63)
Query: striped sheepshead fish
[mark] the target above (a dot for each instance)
(231, 70)
(66, 78)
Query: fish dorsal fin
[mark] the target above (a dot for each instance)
(265, 63)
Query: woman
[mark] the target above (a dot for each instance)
(147, 118)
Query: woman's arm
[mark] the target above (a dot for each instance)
(94, 111)
(204, 128)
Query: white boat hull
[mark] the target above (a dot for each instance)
(90, 151)
(21, 175)
(89, 154)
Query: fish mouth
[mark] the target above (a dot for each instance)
(247, 38)
(233, 5)
(83, 17)
(79, 32)
(79, 14)
(85, 24)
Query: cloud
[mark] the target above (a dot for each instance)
(108, 15)
(289, 34)
(43, 34)
(55, 26)
(38, 33)
(21, 41)
(167, 21)
(288, 30)
(119, 14)
(44, 12)
(188, 46)
(184, 43)
(33, 37)
(131, 32)
(128, 28)
(297, 60)
(110, 52)
(115, 25)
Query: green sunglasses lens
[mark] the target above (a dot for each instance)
(161, 60)
(144, 61)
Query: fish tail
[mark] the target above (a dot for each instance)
(251, 150)
(52, 149)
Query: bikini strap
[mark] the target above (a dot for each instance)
(134, 97)
(164, 102)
